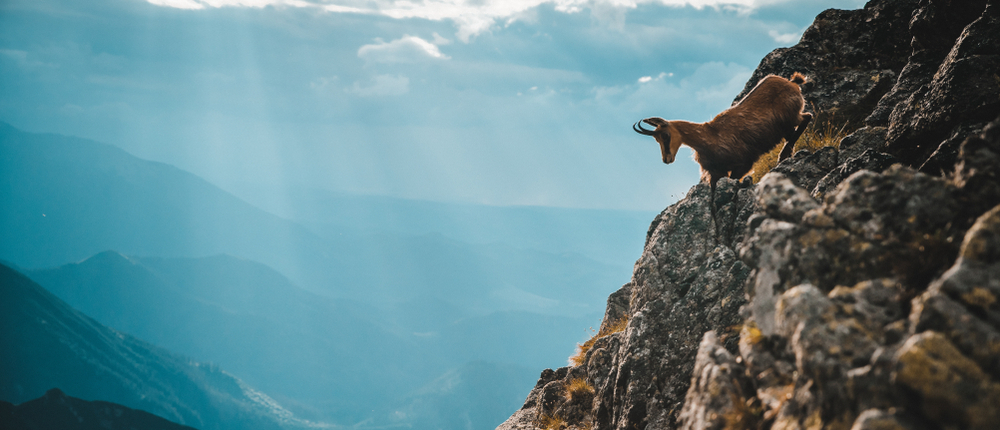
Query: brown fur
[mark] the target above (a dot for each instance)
(729, 144)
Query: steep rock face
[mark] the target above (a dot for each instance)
(851, 57)
(687, 282)
(947, 90)
(854, 287)
(847, 310)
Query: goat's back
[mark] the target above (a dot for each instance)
(766, 115)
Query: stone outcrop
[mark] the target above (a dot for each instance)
(851, 57)
(857, 287)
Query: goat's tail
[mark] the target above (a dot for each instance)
(798, 78)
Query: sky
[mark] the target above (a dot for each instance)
(518, 102)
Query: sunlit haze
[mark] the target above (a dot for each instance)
(496, 102)
(368, 214)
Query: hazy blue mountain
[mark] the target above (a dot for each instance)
(500, 338)
(306, 350)
(323, 358)
(45, 343)
(381, 313)
(451, 401)
(609, 236)
(56, 410)
(65, 199)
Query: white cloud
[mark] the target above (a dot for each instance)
(611, 13)
(662, 75)
(440, 41)
(178, 4)
(345, 9)
(382, 85)
(784, 37)
(253, 3)
(472, 17)
(697, 97)
(201, 4)
(407, 49)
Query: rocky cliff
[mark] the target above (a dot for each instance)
(852, 288)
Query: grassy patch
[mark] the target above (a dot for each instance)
(743, 415)
(551, 422)
(751, 334)
(816, 136)
(579, 389)
(581, 349)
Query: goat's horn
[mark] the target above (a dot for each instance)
(638, 129)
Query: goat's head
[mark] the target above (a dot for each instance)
(668, 146)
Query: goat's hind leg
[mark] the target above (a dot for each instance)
(739, 173)
(792, 137)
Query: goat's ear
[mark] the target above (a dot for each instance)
(656, 122)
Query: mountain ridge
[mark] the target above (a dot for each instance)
(57, 410)
(61, 208)
(296, 345)
(46, 343)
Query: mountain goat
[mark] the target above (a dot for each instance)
(731, 143)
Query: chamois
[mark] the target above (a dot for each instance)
(731, 143)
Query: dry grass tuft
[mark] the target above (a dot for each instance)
(745, 414)
(579, 389)
(551, 422)
(750, 334)
(816, 136)
(581, 349)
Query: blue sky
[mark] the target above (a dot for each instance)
(525, 102)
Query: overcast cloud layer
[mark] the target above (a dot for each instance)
(498, 102)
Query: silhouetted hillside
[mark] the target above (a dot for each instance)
(326, 359)
(306, 349)
(45, 343)
(56, 410)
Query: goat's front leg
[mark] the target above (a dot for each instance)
(790, 140)
(739, 172)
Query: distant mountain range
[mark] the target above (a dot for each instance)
(326, 359)
(338, 319)
(248, 319)
(56, 410)
(65, 199)
(608, 236)
(453, 401)
(45, 343)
